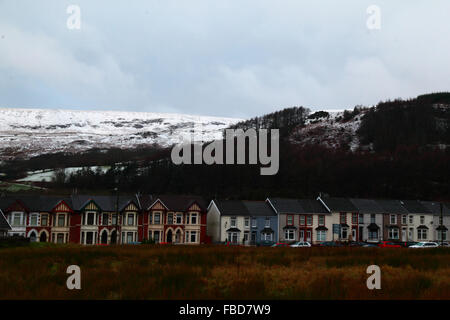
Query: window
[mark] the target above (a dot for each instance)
(442, 235)
(354, 218)
(421, 234)
(60, 237)
(393, 233)
(130, 220)
(170, 218)
(302, 220)
(89, 237)
(187, 218)
(105, 219)
(253, 222)
(61, 220)
(129, 237)
(373, 235)
(193, 237)
(393, 219)
(233, 221)
(90, 218)
(372, 218)
(411, 219)
(343, 218)
(404, 219)
(321, 235)
(44, 220)
(150, 218)
(290, 220)
(266, 236)
(422, 219)
(17, 219)
(233, 237)
(247, 222)
(289, 234)
(34, 219)
(267, 224)
(157, 218)
(179, 218)
(321, 220)
(309, 220)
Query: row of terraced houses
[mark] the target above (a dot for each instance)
(175, 219)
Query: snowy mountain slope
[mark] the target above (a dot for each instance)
(330, 130)
(29, 132)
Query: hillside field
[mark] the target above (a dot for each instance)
(218, 272)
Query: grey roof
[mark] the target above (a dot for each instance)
(435, 207)
(34, 202)
(297, 206)
(231, 208)
(339, 204)
(367, 205)
(312, 206)
(4, 225)
(286, 205)
(259, 208)
(414, 206)
(392, 206)
(244, 208)
(173, 202)
(106, 203)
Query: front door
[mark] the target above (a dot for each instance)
(253, 237)
(301, 235)
(169, 236)
(404, 234)
(308, 235)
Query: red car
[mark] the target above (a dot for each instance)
(280, 244)
(388, 244)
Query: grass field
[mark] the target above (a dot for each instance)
(181, 272)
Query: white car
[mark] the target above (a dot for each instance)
(425, 245)
(301, 244)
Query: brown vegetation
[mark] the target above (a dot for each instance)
(181, 272)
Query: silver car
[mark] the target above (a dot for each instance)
(425, 245)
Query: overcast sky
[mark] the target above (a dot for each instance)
(236, 58)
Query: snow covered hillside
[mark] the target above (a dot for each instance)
(29, 132)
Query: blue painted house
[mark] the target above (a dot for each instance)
(242, 222)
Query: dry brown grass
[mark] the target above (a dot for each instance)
(214, 272)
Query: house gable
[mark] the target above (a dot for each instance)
(91, 206)
(158, 205)
(62, 207)
(194, 207)
(131, 207)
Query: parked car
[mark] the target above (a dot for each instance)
(280, 244)
(370, 245)
(266, 243)
(329, 244)
(444, 244)
(409, 243)
(356, 244)
(389, 244)
(425, 245)
(301, 244)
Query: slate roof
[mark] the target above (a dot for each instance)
(414, 206)
(312, 206)
(392, 206)
(4, 225)
(181, 202)
(435, 208)
(297, 206)
(259, 208)
(287, 205)
(339, 204)
(244, 208)
(106, 203)
(367, 205)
